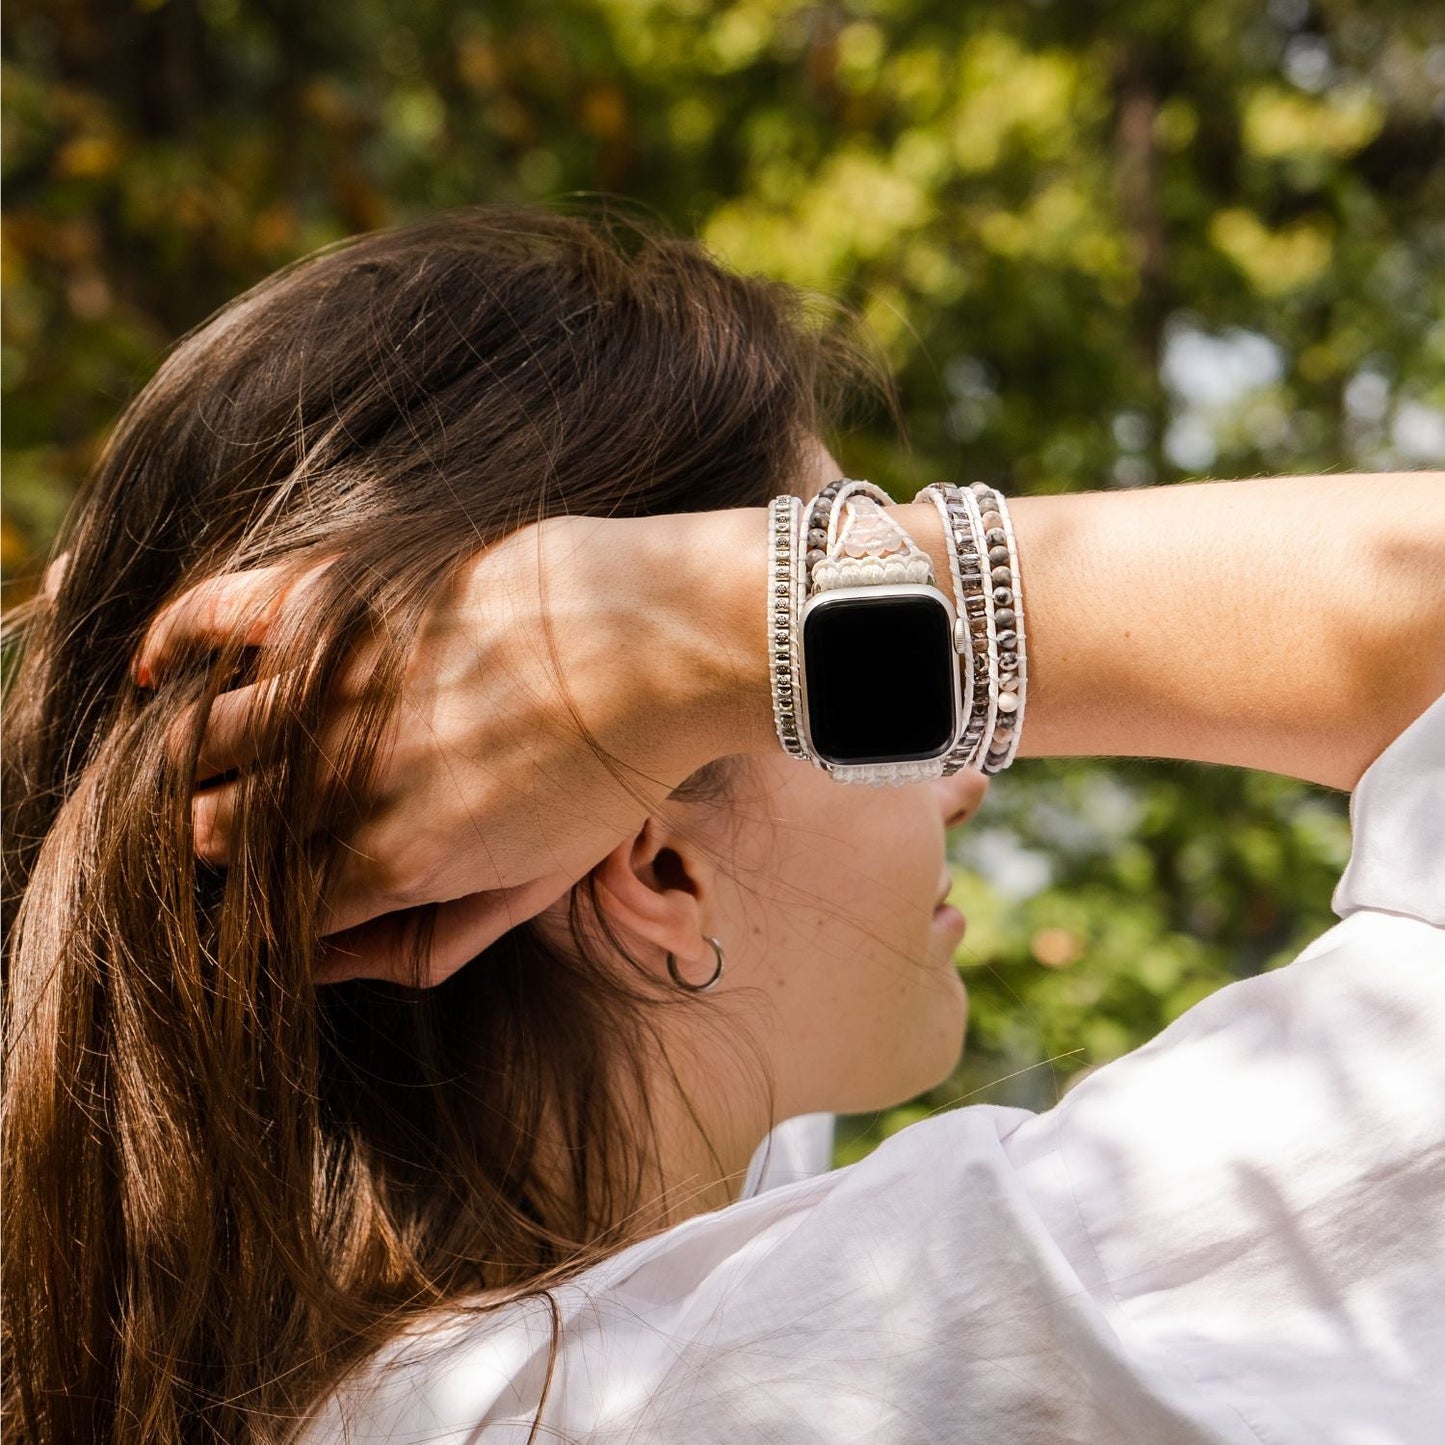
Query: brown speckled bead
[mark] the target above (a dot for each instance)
(998, 556)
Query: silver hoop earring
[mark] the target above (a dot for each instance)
(682, 983)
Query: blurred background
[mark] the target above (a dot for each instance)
(1103, 245)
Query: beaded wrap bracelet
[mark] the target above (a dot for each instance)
(785, 584)
(1013, 654)
(964, 531)
(980, 529)
(820, 519)
(988, 597)
(966, 574)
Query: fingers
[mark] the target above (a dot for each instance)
(385, 947)
(234, 606)
(233, 729)
(213, 815)
(361, 894)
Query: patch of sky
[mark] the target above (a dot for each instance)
(1014, 871)
(1307, 63)
(1385, 430)
(971, 383)
(1417, 433)
(1100, 813)
(1211, 377)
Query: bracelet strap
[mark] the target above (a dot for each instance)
(962, 557)
(980, 534)
(1007, 580)
(867, 547)
(819, 515)
(785, 583)
(964, 531)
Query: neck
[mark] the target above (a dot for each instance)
(710, 1119)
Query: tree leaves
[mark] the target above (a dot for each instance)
(1102, 247)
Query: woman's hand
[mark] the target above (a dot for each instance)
(488, 798)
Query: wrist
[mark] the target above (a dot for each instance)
(712, 568)
(920, 521)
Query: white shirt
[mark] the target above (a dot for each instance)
(1235, 1233)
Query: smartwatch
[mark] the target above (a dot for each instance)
(882, 700)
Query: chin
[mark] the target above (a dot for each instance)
(937, 1044)
(928, 1042)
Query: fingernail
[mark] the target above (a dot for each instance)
(142, 675)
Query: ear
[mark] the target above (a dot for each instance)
(659, 888)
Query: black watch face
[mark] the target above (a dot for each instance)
(880, 675)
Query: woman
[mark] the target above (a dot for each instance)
(437, 560)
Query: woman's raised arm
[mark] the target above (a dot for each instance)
(1291, 624)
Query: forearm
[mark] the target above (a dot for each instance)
(1293, 624)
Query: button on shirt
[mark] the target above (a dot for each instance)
(1235, 1233)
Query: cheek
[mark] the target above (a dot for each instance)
(847, 954)
(870, 868)
(894, 857)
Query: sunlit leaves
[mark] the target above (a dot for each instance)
(1103, 246)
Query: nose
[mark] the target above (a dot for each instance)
(959, 795)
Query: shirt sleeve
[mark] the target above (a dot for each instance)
(1397, 818)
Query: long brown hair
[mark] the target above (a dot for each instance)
(222, 1184)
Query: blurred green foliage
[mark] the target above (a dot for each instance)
(1103, 245)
